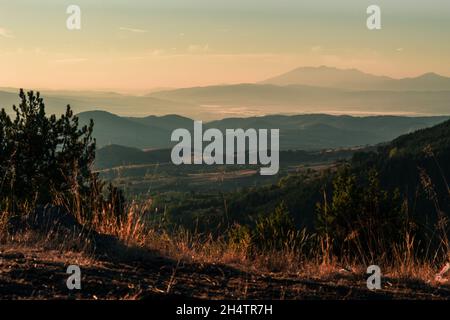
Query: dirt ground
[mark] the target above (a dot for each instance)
(36, 273)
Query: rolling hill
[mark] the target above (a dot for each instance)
(114, 155)
(416, 166)
(112, 129)
(305, 132)
(403, 161)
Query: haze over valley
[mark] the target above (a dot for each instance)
(303, 90)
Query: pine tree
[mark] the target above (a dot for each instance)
(43, 159)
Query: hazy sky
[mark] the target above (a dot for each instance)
(136, 45)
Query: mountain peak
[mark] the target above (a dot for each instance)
(97, 113)
(324, 68)
(354, 79)
(326, 76)
(430, 75)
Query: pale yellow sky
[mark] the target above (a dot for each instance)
(134, 46)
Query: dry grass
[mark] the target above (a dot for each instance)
(131, 230)
(191, 248)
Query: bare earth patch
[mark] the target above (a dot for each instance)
(35, 273)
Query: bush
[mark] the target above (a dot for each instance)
(240, 238)
(275, 231)
(362, 220)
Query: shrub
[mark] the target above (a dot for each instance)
(362, 220)
(275, 231)
(240, 238)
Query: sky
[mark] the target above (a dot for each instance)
(137, 45)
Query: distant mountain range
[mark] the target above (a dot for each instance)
(352, 79)
(252, 99)
(80, 101)
(298, 132)
(303, 90)
(323, 89)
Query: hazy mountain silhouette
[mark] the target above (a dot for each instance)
(321, 89)
(80, 101)
(352, 79)
(303, 90)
